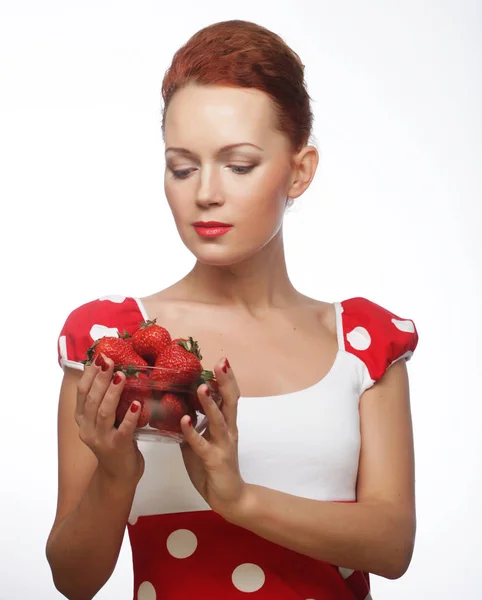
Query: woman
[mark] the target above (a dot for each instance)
(305, 483)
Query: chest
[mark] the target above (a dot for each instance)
(279, 355)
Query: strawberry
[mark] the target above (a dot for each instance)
(146, 412)
(150, 340)
(136, 388)
(184, 359)
(195, 403)
(168, 412)
(116, 349)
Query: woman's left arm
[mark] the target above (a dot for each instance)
(375, 534)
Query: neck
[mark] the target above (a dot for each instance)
(257, 284)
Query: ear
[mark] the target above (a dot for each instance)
(305, 164)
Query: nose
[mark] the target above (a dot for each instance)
(209, 192)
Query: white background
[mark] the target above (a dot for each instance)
(393, 214)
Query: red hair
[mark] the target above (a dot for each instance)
(243, 54)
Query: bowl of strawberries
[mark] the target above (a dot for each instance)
(163, 375)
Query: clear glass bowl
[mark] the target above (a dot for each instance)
(165, 396)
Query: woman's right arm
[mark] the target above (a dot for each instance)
(99, 469)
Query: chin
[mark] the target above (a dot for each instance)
(224, 252)
(222, 257)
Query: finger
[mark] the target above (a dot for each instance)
(200, 445)
(106, 413)
(229, 390)
(217, 424)
(126, 429)
(85, 383)
(96, 393)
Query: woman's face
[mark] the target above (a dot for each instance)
(225, 162)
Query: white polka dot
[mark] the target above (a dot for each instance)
(345, 573)
(359, 338)
(406, 326)
(146, 591)
(63, 347)
(181, 543)
(248, 577)
(113, 298)
(99, 331)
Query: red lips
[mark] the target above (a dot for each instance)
(211, 228)
(211, 224)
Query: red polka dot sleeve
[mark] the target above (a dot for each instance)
(106, 316)
(376, 336)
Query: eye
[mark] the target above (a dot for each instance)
(241, 170)
(182, 173)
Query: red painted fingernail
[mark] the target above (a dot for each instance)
(134, 407)
(189, 421)
(99, 360)
(104, 366)
(226, 365)
(208, 392)
(117, 379)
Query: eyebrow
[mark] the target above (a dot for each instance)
(222, 150)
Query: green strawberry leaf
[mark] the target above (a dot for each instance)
(148, 323)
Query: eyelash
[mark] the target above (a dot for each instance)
(184, 173)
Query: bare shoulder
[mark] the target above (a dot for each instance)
(166, 303)
(168, 294)
(324, 312)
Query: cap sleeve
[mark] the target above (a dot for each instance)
(102, 317)
(376, 336)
